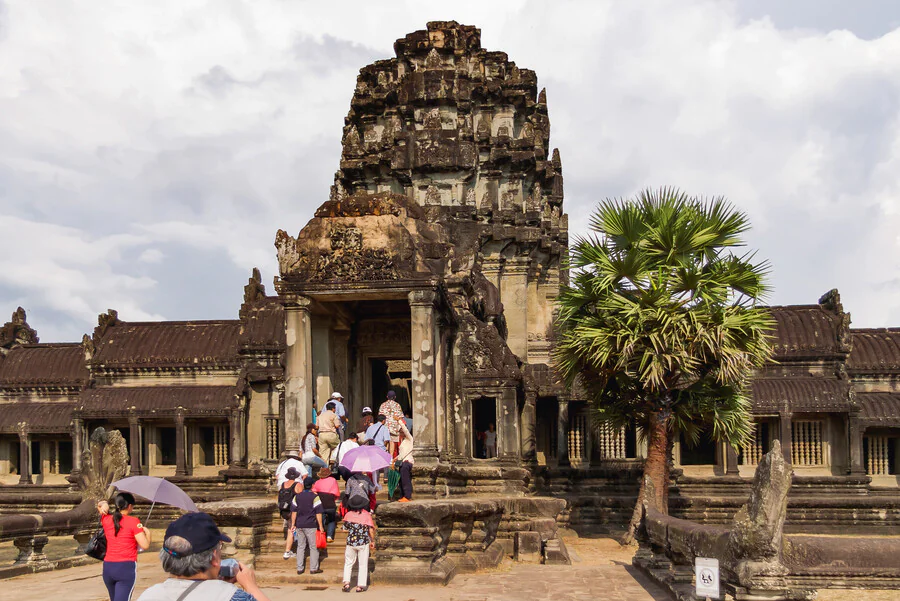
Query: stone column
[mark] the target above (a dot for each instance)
(134, 435)
(298, 369)
(731, 461)
(421, 304)
(321, 353)
(529, 423)
(462, 434)
(562, 433)
(24, 455)
(856, 445)
(340, 374)
(508, 426)
(77, 440)
(514, 294)
(785, 435)
(180, 455)
(236, 429)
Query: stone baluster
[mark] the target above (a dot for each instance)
(31, 550)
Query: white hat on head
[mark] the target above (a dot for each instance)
(367, 410)
(336, 395)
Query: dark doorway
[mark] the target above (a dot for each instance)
(391, 374)
(167, 444)
(207, 446)
(547, 412)
(65, 457)
(703, 453)
(484, 419)
(35, 457)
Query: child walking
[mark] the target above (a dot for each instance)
(360, 538)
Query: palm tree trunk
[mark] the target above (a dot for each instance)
(654, 488)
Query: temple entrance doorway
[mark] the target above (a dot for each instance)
(391, 374)
(484, 413)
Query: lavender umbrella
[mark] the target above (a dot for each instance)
(156, 490)
(366, 459)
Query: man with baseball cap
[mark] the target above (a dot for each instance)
(192, 555)
(338, 399)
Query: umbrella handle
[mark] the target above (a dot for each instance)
(151, 511)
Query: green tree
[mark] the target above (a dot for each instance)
(660, 324)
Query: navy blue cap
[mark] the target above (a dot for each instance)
(199, 529)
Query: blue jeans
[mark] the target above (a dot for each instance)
(329, 519)
(119, 577)
(316, 462)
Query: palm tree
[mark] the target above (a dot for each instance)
(660, 325)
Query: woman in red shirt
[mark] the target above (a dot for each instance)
(124, 534)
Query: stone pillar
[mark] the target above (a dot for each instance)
(321, 353)
(298, 369)
(529, 423)
(785, 435)
(562, 433)
(24, 455)
(180, 455)
(508, 426)
(462, 434)
(856, 445)
(731, 461)
(514, 294)
(134, 442)
(238, 458)
(423, 374)
(77, 440)
(340, 374)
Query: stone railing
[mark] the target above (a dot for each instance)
(756, 560)
(433, 540)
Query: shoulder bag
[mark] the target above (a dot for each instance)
(96, 546)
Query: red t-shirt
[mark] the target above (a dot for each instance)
(122, 547)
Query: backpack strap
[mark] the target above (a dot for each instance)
(189, 590)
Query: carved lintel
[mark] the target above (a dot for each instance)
(296, 302)
(421, 298)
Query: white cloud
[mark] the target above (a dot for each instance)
(147, 151)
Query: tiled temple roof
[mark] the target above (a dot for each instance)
(262, 325)
(874, 350)
(42, 365)
(169, 344)
(160, 400)
(800, 394)
(806, 331)
(40, 417)
(879, 408)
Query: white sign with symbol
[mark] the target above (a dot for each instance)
(706, 574)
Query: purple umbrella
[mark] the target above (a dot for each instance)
(366, 459)
(156, 490)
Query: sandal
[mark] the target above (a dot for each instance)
(362, 589)
(346, 588)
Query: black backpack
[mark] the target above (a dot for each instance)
(285, 498)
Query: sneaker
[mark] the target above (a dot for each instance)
(403, 500)
(330, 539)
(299, 572)
(288, 555)
(319, 571)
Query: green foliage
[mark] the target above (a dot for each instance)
(661, 315)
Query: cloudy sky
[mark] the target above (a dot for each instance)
(149, 151)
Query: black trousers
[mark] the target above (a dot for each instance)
(343, 472)
(406, 489)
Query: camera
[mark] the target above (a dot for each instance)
(228, 569)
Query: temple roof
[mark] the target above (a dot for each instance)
(879, 408)
(169, 344)
(162, 400)
(41, 365)
(800, 394)
(807, 331)
(40, 417)
(874, 350)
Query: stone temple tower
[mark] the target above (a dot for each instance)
(432, 268)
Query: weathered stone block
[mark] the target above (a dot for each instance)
(527, 547)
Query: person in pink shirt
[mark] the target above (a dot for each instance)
(327, 489)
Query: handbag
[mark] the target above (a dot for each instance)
(321, 540)
(96, 546)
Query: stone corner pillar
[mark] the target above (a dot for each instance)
(855, 431)
(785, 435)
(562, 433)
(731, 461)
(77, 444)
(236, 421)
(134, 443)
(510, 443)
(180, 453)
(298, 368)
(528, 426)
(24, 454)
(422, 354)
